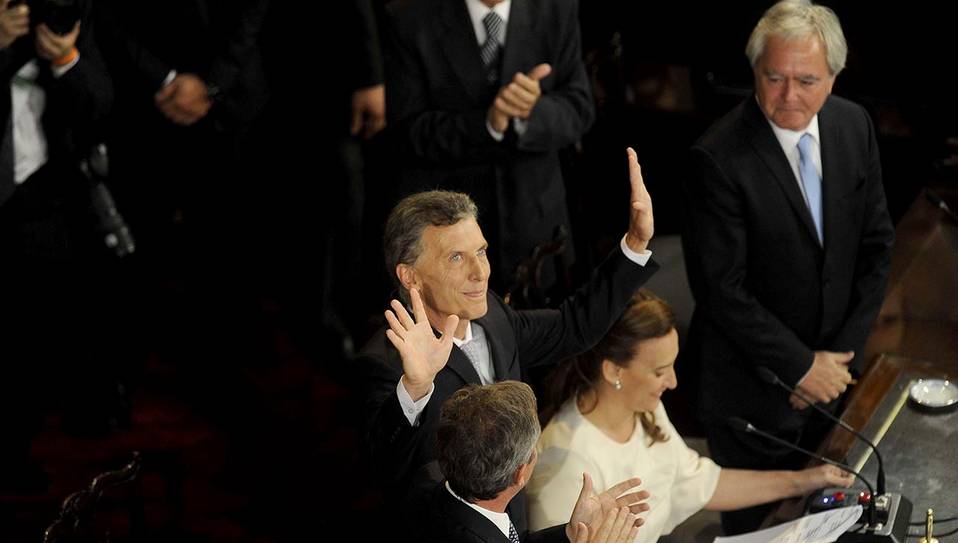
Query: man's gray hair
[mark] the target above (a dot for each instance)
(402, 239)
(797, 19)
(485, 434)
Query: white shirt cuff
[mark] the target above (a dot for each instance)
(169, 78)
(60, 70)
(412, 409)
(639, 258)
(496, 135)
(520, 126)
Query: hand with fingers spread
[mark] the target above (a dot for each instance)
(14, 22)
(423, 354)
(517, 99)
(591, 509)
(826, 380)
(641, 223)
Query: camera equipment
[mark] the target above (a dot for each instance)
(116, 234)
(59, 15)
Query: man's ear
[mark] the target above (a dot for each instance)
(522, 475)
(408, 277)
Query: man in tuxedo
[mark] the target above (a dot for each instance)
(787, 244)
(487, 451)
(481, 95)
(435, 247)
(54, 92)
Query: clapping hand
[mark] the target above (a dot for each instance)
(609, 516)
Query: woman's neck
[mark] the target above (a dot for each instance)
(608, 415)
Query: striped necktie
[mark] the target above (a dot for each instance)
(490, 52)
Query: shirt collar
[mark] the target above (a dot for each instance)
(478, 10)
(788, 139)
(460, 342)
(501, 520)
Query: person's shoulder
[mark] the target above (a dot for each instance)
(844, 110)
(726, 131)
(410, 12)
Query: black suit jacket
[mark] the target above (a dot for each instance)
(518, 340)
(437, 102)
(449, 520)
(767, 294)
(217, 41)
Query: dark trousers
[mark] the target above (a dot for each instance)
(56, 309)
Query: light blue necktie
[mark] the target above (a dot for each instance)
(811, 182)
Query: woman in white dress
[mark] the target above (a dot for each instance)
(609, 421)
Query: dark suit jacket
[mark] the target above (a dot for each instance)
(518, 340)
(437, 101)
(217, 41)
(767, 294)
(449, 520)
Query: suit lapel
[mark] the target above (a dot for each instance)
(519, 40)
(497, 332)
(832, 175)
(462, 366)
(766, 145)
(459, 45)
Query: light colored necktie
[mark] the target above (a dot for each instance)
(811, 183)
(477, 352)
(489, 52)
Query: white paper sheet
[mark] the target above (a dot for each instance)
(823, 527)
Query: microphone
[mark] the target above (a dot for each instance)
(742, 425)
(769, 377)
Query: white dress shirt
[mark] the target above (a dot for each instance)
(27, 104)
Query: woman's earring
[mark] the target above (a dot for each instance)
(617, 384)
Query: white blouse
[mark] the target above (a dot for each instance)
(679, 480)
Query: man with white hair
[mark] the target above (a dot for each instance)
(787, 241)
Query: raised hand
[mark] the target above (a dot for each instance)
(641, 223)
(14, 22)
(423, 354)
(591, 509)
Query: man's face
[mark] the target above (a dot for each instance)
(792, 81)
(452, 273)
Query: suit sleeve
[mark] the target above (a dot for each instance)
(552, 335)
(392, 441)
(80, 99)
(717, 236)
(433, 136)
(873, 259)
(562, 115)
